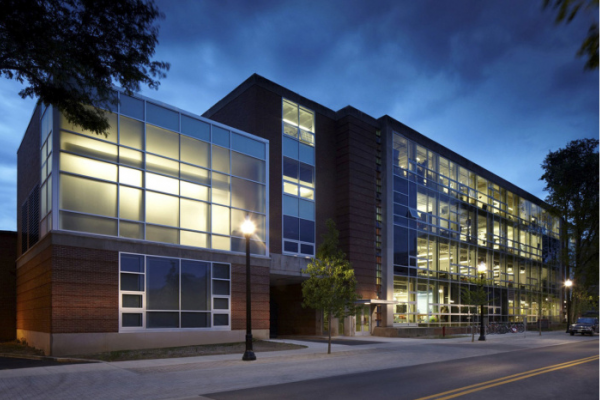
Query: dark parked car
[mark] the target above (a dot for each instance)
(584, 325)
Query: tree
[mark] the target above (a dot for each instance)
(475, 295)
(571, 176)
(71, 52)
(566, 11)
(331, 286)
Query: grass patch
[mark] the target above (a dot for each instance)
(19, 348)
(189, 351)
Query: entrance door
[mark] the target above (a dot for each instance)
(363, 321)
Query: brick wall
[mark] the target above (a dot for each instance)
(260, 297)
(85, 290)
(34, 291)
(71, 289)
(356, 190)
(8, 285)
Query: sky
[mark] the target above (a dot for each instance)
(496, 81)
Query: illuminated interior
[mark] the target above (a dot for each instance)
(447, 219)
(298, 127)
(155, 180)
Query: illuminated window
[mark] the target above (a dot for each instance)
(298, 130)
(150, 183)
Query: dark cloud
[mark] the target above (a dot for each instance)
(496, 81)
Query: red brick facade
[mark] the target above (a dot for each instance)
(85, 290)
(356, 189)
(8, 294)
(34, 291)
(72, 289)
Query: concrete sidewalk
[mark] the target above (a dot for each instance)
(194, 376)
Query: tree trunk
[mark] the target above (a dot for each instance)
(329, 345)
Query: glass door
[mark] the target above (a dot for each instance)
(363, 321)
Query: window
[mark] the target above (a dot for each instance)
(173, 293)
(149, 181)
(298, 130)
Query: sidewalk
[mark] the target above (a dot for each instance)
(191, 377)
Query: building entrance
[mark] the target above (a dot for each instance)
(363, 321)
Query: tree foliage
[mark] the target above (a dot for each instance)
(566, 10)
(475, 295)
(331, 286)
(571, 176)
(69, 53)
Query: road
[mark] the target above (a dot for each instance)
(390, 368)
(558, 372)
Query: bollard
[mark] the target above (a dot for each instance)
(443, 331)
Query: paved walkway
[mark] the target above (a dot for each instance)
(187, 378)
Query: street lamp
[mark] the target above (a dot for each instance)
(568, 285)
(248, 230)
(482, 268)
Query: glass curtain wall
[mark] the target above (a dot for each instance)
(298, 126)
(46, 171)
(163, 176)
(447, 220)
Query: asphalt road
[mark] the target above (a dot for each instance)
(556, 372)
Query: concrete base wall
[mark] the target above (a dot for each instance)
(39, 340)
(419, 332)
(63, 344)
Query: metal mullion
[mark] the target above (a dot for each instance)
(179, 293)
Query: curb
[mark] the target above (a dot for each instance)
(49, 358)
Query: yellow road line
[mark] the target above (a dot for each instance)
(511, 378)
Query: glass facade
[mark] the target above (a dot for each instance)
(298, 203)
(173, 293)
(46, 171)
(447, 220)
(162, 176)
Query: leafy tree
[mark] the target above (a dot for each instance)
(566, 11)
(331, 286)
(475, 295)
(70, 52)
(571, 176)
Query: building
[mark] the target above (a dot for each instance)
(132, 240)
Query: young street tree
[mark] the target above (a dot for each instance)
(475, 296)
(331, 286)
(69, 53)
(571, 176)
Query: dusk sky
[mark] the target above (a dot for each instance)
(495, 81)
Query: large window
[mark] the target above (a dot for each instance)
(46, 172)
(161, 176)
(298, 127)
(173, 293)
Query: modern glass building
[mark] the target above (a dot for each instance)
(448, 220)
(132, 239)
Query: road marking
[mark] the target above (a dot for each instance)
(507, 379)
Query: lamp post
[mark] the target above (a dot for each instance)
(248, 230)
(568, 285)
(482, 268)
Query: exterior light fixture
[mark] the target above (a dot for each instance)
(482, 268)
(568, 283)
(248, 229)
(568, 286)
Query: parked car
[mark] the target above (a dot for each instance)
(584, 325)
